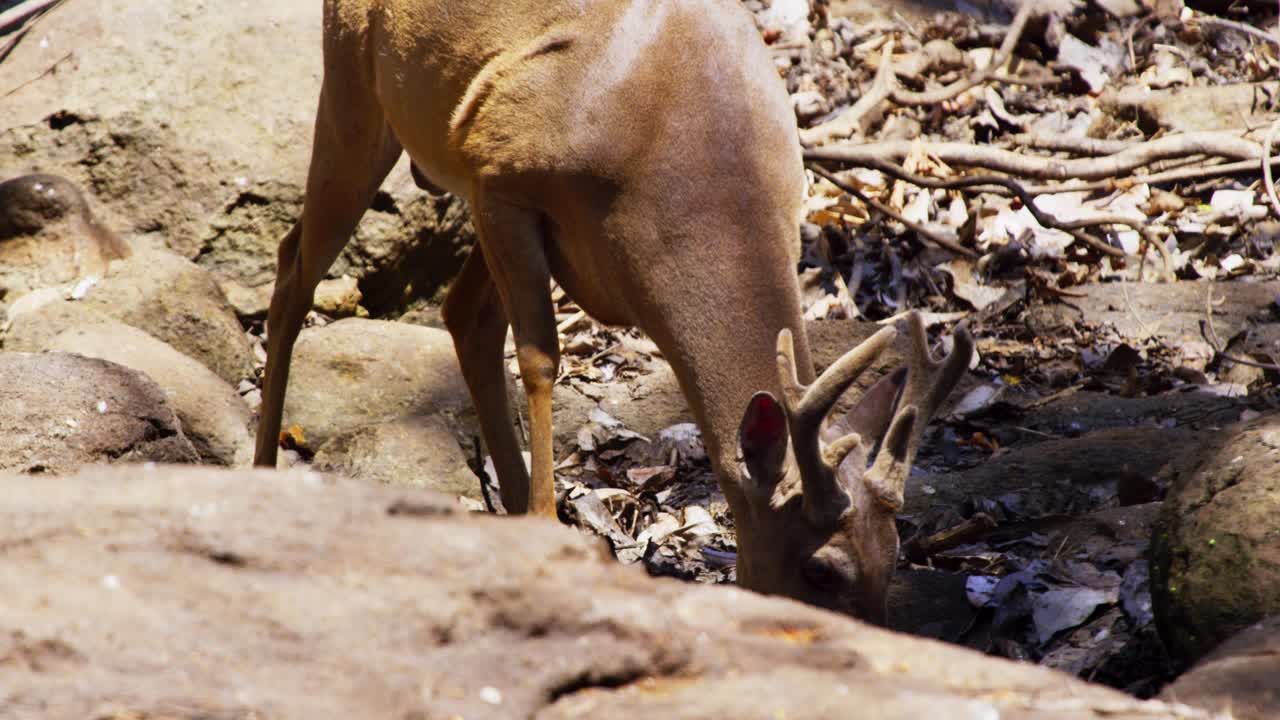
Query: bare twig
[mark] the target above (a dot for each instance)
(844, 124)
(919, 549)
(885, 86)
(47, 71)
(934, 237)
(1219, 144)
(1169, 176)
(572, 320)
(1041, 81)
(903, 96)
(1067, 143)
(1238, 27)
(1072, 228)
(1266, 167)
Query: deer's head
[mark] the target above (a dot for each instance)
(822, 526)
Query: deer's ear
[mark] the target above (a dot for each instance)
(762, 438)
(870, 417)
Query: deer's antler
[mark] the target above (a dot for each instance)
(928, 384)
(806, 407)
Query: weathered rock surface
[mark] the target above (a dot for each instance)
(1238, 676)
(131, 121)
(359, 600)
(357, 372)
(59, 411)
(48, 236)
(213, 415)
(1171, 312)
(412, 451)
(160, 293)
(38, 317)
(1192, 109)
(406, 247)
(1216, 551)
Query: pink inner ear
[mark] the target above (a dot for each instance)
(765, 424)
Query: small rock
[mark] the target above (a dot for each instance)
(155, 291)
(250, 303)
(1238, 677)
(339, 298)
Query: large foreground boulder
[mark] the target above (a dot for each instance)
(218, 593)
(1216, 550)
(59, 411)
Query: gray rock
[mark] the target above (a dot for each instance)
(213, 415)
(38, 317)
(48, 236)
(125, 121)
(1215, 559)
(360, 600)
(358, 372)
(412, 451)
(406, 247)
(60, 411)
(1239, 676)
(160, 293)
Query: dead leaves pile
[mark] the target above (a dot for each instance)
(1078, 119)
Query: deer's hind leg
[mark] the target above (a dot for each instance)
(507, 278)
(352, 153)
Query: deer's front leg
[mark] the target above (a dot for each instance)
(512, 240)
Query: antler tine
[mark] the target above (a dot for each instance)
(792, 389)
(807, 406)
(822, 395)
(929, 381)
(928, 384)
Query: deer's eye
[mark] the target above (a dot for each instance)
(821, 574)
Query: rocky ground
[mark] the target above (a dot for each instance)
(1097, 498)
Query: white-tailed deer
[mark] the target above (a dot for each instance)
(643, 154)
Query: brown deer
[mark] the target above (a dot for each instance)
(643, 153)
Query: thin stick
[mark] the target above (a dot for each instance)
(1214, 143)
(919, 549)
(1045, 219)
(934, 237)
(47, 71)
(1238, 27)
(1200, 172)
(843, 125)
(933, 97)
(1266, 167)
(570, 321)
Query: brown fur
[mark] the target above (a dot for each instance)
(643, 153)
